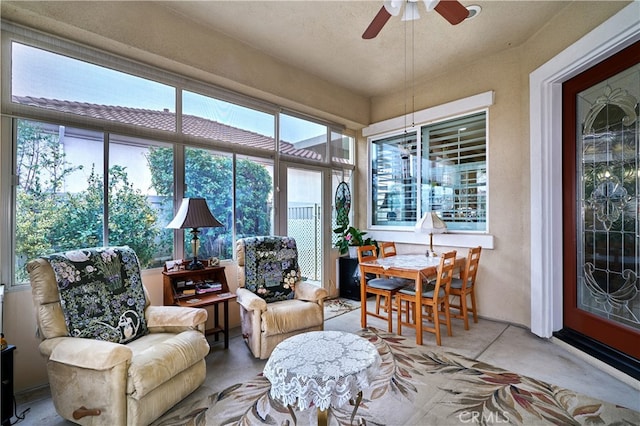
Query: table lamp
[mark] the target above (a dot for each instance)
(431, 223)
(194, 213)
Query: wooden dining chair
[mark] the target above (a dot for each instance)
(465, 286)
(435, 299)
(388, 249)
(381, 287)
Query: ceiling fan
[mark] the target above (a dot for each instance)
(451, 10)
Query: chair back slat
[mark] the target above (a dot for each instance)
(367, 253)
(471, 267)
(388, 249)
(445, 273)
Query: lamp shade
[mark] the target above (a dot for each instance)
(430, 223)
(194, 213)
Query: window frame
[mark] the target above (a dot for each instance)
(396, 126)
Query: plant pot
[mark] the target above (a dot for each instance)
(353, 251)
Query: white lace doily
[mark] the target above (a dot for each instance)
(321, 368)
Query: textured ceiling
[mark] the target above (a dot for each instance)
(324, 37)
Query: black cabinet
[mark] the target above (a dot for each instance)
(349, 278)
(6, 389)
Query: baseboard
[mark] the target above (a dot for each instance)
(621, 366)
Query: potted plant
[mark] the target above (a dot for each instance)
(349, 238)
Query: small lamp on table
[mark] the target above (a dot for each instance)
(194, 213)
(432, 224)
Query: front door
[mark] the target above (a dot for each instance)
(601, 207)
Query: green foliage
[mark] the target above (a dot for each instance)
(49, 220)
(210, 176)
(351, 236)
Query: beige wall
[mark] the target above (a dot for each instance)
(161, 39)
(504, 276)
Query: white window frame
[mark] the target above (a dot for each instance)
(460, 107)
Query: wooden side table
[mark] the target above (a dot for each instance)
(189, 289)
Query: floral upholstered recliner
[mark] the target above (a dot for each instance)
(112, 359)
(274, 301)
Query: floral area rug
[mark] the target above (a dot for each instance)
(417, 386)
(339, 306)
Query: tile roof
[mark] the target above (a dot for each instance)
(166, 120)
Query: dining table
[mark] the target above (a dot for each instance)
(412, 266)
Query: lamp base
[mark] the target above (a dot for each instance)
(431, 253)
(195, 264)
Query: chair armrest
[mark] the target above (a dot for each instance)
(250, 301)
(86, 353)
(174, 319)
(310, 292)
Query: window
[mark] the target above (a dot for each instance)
(254, 197)
(454, 176)
(140, 205)
(441, 167)
(209, 174)
(342, 148)
(58, 198)
(211, 118)
(60, 194)
(93, 169)
(52, 81)
(302, 138)
(394, 171)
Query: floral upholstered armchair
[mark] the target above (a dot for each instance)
(274, 301)
(112, 359)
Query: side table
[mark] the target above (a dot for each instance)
(349, 277)
(7, 384)
(181, 288)
(321, 368)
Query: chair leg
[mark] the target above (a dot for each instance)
(399, 316)
(387, 307)
(378, 304)
(436, 322)
(463, 305)
(473, 305)
(447, 316)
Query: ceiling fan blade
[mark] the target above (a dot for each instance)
(452, 10)
(376, 25)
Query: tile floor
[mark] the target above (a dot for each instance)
(504, 345)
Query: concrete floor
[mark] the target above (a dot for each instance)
(503, 345)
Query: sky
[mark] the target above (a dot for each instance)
(44, 74)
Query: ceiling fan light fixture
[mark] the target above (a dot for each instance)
(411, 12)
(431, 4)
(393, 6)
(474, 10)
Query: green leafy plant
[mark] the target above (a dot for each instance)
(351, 236)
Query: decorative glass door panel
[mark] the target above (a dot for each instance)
(608, 249)
(601, 181)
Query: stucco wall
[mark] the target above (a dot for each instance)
(504, 275)
(156, 37)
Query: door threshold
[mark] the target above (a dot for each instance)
(627, 367)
